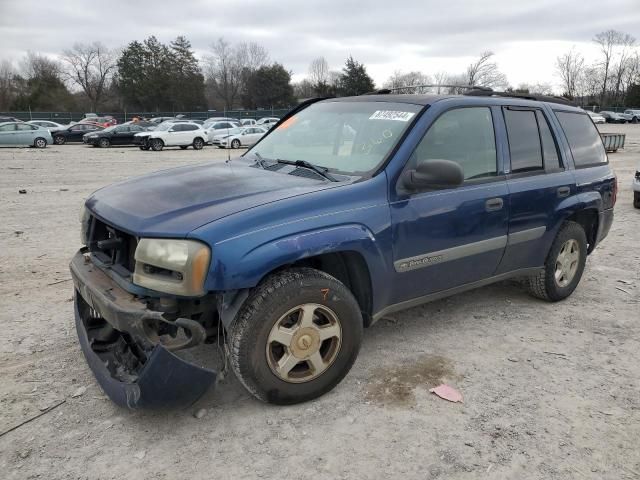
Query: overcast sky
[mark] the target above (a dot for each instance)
(425, 35)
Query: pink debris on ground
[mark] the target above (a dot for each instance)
(447, 392)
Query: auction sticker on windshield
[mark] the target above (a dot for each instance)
(391, 115)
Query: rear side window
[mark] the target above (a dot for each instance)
(188, 128)
(524, 141)
(584, 139)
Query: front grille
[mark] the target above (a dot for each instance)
(112, 247)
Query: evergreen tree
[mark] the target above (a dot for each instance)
(187, 79)
(354, 79)
(267, 87)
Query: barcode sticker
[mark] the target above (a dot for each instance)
(391, 115)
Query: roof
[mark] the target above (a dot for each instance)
(416, 99)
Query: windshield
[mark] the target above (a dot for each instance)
(348, 137)
(164, 126)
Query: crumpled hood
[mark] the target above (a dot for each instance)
(174, 202)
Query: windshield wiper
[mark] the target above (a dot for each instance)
(304, 164)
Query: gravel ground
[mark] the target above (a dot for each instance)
(551, 391)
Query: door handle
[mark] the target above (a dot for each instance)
(564, 192)
(493, 204)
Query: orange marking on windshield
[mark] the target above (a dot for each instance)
(287, 123)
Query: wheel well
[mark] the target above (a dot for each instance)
(588, 220)
(351, 269)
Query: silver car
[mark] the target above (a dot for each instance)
(23, 134)
(49, 125)
(239, 137)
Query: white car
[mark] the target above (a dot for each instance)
(633, 114)
(183, 135)
(48, 124)
(267, 122)
(247, 122)
(636, 188)
(596, 117)
(239, 137)
(218, 128)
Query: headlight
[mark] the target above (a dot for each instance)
(172, 266)
(85, 217)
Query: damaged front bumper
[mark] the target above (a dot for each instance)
(118, 336)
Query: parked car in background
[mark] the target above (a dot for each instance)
(146, 124)
(596, 117)
(48, 124)
(115, 135)
(218, 128)
(159, 120)
(267, 121)
(614, 117)
(239, 137)
(169, 134)
(74, 133)
(6, 118)
(23, 134)
(633, 115)
(104, 122)
(247, 122)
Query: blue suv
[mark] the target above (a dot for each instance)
(349, 209)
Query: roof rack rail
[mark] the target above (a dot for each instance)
(386, 91)
(524, 96)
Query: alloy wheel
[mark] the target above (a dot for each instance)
(567, 262)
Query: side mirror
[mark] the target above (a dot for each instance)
(433, 175)
(171, 130)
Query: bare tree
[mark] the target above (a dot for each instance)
(407, 80)
(91, 67)
(7, 85)
(608, 41)
(228, 67)
(625, 57)
(484, 72)
(570, 68)
(319, 71)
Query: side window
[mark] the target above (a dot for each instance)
(25, 127)
(584, 139)
(8, 128)
(462, 135)
(177, 127)
(191, 127)
(524, 140)
(549, 146)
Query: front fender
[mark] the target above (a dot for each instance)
(235, 270)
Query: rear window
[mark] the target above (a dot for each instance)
(584, 139)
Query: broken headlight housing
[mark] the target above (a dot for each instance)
(172, 266)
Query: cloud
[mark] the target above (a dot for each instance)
(415, 34)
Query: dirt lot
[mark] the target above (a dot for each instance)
(551, 391)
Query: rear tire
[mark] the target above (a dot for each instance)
(198, 143)
(104, 143)
(634, 120)
(636, 199)
(157, 144)
(564, 265)
(321, 324)
(59, 140)
(40, 142)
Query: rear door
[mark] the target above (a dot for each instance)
(539, 182)
(121, 135)
(447, 238)
(189, 134)
(8, 134)
(25, 134)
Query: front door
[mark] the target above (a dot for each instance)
(8, 134)
(447, 238)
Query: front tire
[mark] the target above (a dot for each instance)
(235, 144)
(104, 143)
(296, 336)
(59, 140)
(636, 199)
(157, 144)
(40, 142)
(564, 265)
